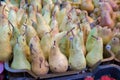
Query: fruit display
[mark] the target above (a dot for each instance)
(55, 36)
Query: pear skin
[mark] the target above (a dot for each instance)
(96, 54)
(39, 64)
(57, 60)
(19, 59)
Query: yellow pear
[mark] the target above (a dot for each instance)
(39, 64)
(42, 26)
(57, 60)
(5, 33)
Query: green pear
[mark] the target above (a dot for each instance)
(81, 36)
(90, 40)
(59, 36)
(5, 33)
(19, 59)
(54, 25)
(85, 27)
(57, 60)
(42, 26)
(12, 16)
(48, 3)
(19, 15)
(76, 59)
(64, 46)
(115, 45)
(96, 3)
(37, 4)
(60, 15)
(22, 42)
(29, 32)
(39, 64)
(96, 54)
(15, 34)
(46, 44)
(46, 14)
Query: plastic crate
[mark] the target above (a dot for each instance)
(110, 70)
(108, 57)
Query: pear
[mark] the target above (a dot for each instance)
(22, 42)
(5, 33)
(60, 16)
(32, 13)
(106, 6)
(12, 16)
(57, 60)
(105, 33)
(96, 54)
(81, 36)
(54, 25)
(39, 64)
(42, 26)
(56, 8)
(96, 3)
(106, 19)
(115, 45)
(49, 3)
(19, 15)
(113, 4)
(37, 4)
(85, 27)
(29, 32)
(19, 59)
(23, 20)
(64, 46)
(59, 36)
(87, 5)
(15, 34)
(22, 3)
(47, 17)
(90, 40)
(76, 59)
(46, 44)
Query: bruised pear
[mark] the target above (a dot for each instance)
(57, 60)
(39, 64)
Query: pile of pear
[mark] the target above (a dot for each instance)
(57, 35)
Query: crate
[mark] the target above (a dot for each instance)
(110, 70)
(108, 57)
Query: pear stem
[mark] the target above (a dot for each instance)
(79, 26)
(11, 25)
(54, 43)
(70, 31)
(25, 28)
(95, 37)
